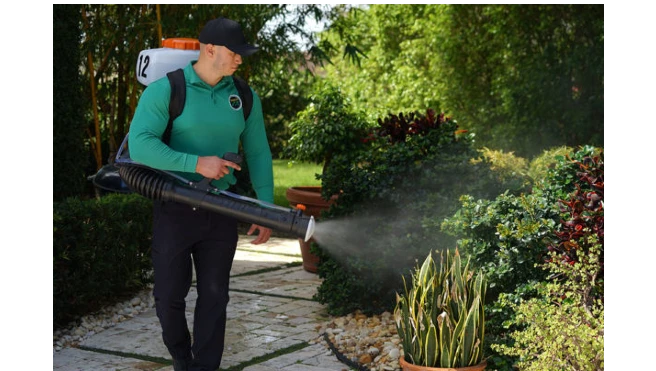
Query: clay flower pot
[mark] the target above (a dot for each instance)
(405, 366)
(310, 201)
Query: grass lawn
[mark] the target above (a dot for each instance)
(287, 173)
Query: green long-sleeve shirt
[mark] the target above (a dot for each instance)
(208, 125)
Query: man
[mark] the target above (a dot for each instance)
(211, 124)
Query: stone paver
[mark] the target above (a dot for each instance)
(313, 358)
(74, 359)
(269, 311)
(293, 282)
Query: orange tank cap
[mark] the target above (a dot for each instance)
(184, 43)
(301, 207)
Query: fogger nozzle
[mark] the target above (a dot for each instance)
(154, 185)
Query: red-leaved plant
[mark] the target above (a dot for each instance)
(584, 212)
(398, 127)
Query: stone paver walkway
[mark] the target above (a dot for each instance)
(272, 322)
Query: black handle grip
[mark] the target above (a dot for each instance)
(233, 157)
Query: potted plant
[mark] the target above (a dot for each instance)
(440, 318)
(327, 126)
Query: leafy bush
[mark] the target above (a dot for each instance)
(326, 127)
(564, 325)
(537, 169)
(562, 179)
(507, 237)
(563, 328)
(583, 215)
(506, 166)
(393, 194)
(524, 78)
(101, 252)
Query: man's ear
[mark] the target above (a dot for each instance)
(208, 49)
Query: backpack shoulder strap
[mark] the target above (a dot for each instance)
(177, 102)
(246, 95)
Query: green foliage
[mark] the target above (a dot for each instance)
(506, 166)
(441, 318)
(395, 76)
(342, 281)
(582, 214)
(537, 68)
(283, 95)
(563, 328)
(393, 194)
(507, 237)
(523, 77)
(562, 180)
(101, 252)
(499, 324)
(69, 157)
(112, 36)
(539, 166)
(398, 157)
(326, 127)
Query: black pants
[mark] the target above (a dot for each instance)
(180, 233)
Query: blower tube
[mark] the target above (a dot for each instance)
(154, 185)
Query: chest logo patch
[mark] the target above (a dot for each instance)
(235, 102)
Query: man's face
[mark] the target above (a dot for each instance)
(226, 61)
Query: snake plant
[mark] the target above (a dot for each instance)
(440, 318)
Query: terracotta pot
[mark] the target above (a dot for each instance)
(314, 204)
(310, 260)
(311, 198)
(405, 366)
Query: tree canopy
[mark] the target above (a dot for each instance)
(522, 77)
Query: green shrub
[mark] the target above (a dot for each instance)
(70, 157)
(507, 237)
(506, 166)
(326, 127)
(101, 252)
(582, 215)
(562, 179)
(563, 328)
(537, 169)
(393, 194)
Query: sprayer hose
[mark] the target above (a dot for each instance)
(147, 183)
(156, 186)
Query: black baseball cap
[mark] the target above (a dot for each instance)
(226, 32)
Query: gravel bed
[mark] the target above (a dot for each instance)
(108, 317)
(370, 343)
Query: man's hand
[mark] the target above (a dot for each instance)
(262, 237)
(214, 167)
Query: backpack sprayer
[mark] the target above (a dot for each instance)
(166, 186)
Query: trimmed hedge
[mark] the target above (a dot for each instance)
(70, 157)
(101, 253)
